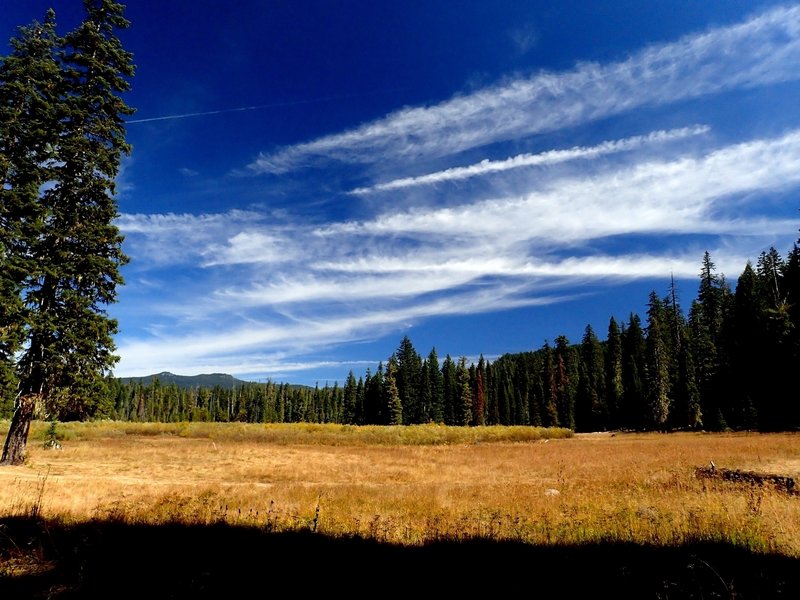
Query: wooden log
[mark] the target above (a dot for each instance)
(782, 483)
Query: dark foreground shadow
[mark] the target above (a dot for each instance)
(111, 560)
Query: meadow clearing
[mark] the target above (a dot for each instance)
(413, 486)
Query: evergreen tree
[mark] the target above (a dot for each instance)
(479, 393)
(791, 283)
(335, 404)
(409, 367)
(709, 297)
(425, 392)
(350, 399)
(779, 357)
(368, 401)
(634, 361)
(533, 367)
(690, 411)
(436, 385)
(550, 387)
(492, 408)
(72, 247)
(591, 409)
(685, 410)
(657, 365)
(706, 318)
(360, 415)
(464, 406)
(748, 362)
(613, 371)
(10, 340)
(520, 413)
(566, 376)
(394, 405)
(450, 390)
(281, 402)
(374, 412)
(504, 375)
(770, 269)
(311, 414)
(28, 100)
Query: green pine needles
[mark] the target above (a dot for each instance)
(62, 137)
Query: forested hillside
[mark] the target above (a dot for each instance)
(727, 362)
(209, 380)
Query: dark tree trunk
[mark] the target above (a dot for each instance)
(17, 439)
(31, 389)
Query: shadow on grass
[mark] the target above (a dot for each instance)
(40, 559)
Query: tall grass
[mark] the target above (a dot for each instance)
(302, 433)
(414, 485)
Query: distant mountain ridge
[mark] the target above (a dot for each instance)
(207, 380)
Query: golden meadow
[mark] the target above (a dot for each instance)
(412, 485)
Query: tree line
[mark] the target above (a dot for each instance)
(726, 364)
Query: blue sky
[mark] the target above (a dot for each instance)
(311, 180)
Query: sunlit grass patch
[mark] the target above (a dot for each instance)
(415, 485)
(303, 433)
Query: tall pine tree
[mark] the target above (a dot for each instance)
(436, 386)
(591, 408)
(634, 361)
(409, 367)
(350, 400)
(464, 406)
(658, 389)
(28, 122)
(392, 401)
(550, 387)
(479, 393)
(706, 319)
(68, 235)
(450, 391)
(613, 370)
(566, 378)
(685, 411)
(748, 358)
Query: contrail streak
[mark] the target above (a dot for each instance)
(200, 114)
(259, 107)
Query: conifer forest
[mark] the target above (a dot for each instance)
(726, 363)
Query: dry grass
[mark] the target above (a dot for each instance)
(375, 483)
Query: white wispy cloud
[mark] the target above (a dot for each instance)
(311, 287)
(551, 157)
(358, 279)
(171, 222)
(251, 247)
(235, 348)
(654, 197)
(762, 50)
(414, 281)
(213, 239)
